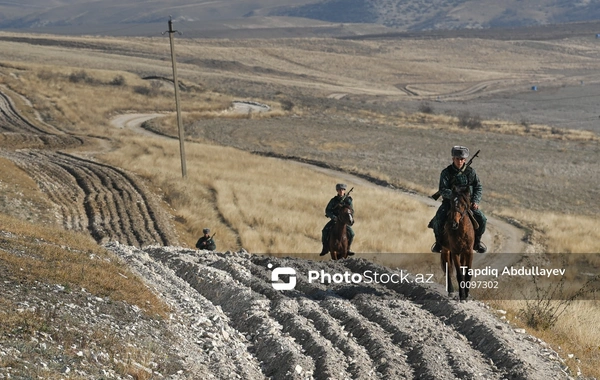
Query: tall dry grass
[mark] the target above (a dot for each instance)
(573, 335)
(267, 205)
(561, 233)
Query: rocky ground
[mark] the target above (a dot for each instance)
(228, 322)
(235, 325)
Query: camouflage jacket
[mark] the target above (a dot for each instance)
(451, 177)
(334, 206)
(206, 243)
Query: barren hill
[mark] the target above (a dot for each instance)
(294, 17)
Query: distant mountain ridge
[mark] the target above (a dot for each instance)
(398, 15)
(419, 15)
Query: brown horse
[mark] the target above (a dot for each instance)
(338, 237)
(457, 244)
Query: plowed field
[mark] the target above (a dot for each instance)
(335, 330)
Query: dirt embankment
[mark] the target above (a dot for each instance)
(339, 330)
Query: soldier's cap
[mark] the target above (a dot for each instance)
(460, 151)
(206, 230)
(340, 186)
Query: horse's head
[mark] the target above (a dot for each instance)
(346, 215)
(461, 202)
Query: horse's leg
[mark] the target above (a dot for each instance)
(467, 261)
(333, 253)
(344, 244)
(460, 278)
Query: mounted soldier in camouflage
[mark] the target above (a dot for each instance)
(458, 174)
(331, 211)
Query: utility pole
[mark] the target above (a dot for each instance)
(178, 107)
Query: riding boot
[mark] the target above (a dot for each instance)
(479, 246)
(324, 250)
(437, 247)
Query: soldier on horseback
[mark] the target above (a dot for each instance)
(332, 211)
(458, 174)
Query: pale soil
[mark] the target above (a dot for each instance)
(337, 331)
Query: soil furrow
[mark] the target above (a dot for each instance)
(120, 220)
(231, 360)
(432, 349)
(329, 362)
(485, 333)
(132, 218)
(13, 122)
(149, 208)
(96, 207)
(58, 185)
(249, 312)
(359, 364)
(390, 360)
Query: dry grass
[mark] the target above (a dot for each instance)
(562, 233)
(254, 202)
(55, 256)
(571, 336)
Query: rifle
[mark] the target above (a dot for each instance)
(464, 168)
(341, 202)
(346, 196)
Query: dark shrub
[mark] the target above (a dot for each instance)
(119, 80)
(286, 104)
(465, 119)
(81, 77)
(425, 108)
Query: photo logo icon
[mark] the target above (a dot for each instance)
(277, 282)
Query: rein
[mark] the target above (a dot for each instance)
(456, 208)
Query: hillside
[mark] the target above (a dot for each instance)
(123, 220)
(290, 17)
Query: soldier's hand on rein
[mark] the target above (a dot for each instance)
(474, 206)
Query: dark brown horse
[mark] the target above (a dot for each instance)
(338, 236)
(457, 244)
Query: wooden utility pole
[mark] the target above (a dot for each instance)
(178, 107)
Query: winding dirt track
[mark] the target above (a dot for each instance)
(326, 331)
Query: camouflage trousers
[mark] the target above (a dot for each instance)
(438, 221)
(327, 228)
